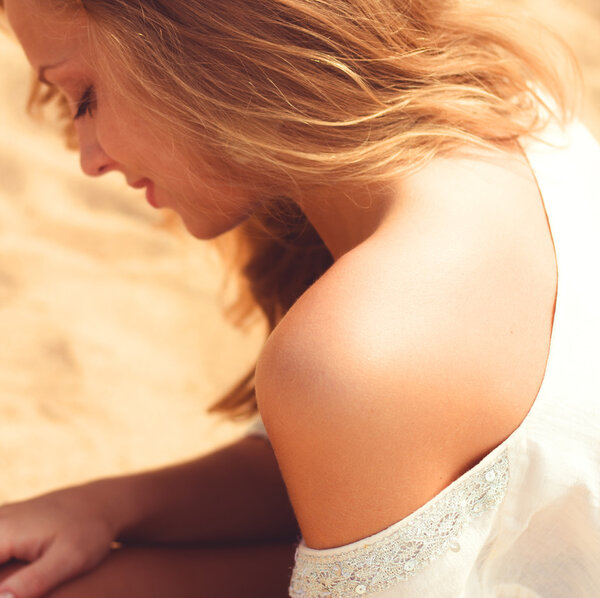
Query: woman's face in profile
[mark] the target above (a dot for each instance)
(112, 134)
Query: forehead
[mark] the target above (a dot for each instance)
(48, 34)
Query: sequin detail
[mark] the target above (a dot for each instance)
(402, 550)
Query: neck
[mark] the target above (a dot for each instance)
(344, 218)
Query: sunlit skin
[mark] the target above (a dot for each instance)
(432, 326)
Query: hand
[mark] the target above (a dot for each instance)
(61, 535)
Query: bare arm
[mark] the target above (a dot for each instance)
(235, 494)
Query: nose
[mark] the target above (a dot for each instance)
(93, 159)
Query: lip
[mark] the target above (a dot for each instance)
(149, 185)
(150, 194)
(139, 184)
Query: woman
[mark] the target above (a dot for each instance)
(381, 162)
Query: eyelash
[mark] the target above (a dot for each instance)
(86, 103)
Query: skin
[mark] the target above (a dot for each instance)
(177, 526)
(262, 571)
(114, 137)
(416, 354)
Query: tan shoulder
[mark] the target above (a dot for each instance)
(388, 378)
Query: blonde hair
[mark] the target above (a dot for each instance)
(286, 94)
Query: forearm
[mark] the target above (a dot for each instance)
(262, 570)
(234, 494)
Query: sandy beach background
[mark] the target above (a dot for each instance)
(112, 339)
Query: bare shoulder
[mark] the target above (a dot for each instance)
(415, 355)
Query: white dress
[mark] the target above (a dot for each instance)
(525, 521)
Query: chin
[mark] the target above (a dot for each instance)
(207, 229)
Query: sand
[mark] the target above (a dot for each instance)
(113, 342)
(112, 337)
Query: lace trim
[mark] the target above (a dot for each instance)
(394, 555)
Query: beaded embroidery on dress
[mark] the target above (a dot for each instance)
(402, 550)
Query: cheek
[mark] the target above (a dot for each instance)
(115, 140)
(122, 134)
(232, 201)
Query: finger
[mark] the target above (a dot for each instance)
(7, 552)
(56, 566)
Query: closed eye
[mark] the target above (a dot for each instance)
(86, 104)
